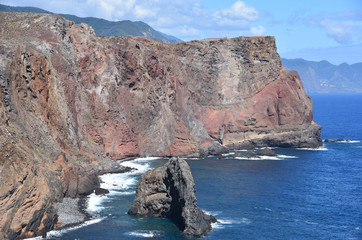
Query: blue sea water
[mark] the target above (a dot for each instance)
(301, 194)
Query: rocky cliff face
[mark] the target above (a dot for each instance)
(71, 101)
(169, 191)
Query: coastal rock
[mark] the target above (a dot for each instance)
(337, 140)
(72, 102)
(266, 152)
(169, 191)
(101, 191)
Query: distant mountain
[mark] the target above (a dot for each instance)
(324, 77)
(103, 27)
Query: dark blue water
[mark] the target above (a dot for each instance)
(302, 194)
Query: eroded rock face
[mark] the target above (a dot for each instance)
(70, 102)
(169, 191)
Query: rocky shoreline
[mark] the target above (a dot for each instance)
(74, 212)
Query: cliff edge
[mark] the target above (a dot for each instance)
(71, 102)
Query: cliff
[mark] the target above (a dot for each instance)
(71, 102)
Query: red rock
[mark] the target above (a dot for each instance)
(72, 101)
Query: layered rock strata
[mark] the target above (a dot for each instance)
(169, 191)
(70, 102)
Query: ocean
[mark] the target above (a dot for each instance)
(301, 194)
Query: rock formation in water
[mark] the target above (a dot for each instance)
(267, 152)
(71, 101)
(337, 140)
(169, 191)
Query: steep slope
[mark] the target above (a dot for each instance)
(103, 27)
(324, 77)
(71, 101)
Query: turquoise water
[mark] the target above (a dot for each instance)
(301, 194)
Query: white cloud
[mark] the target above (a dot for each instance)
(144, 13)
(342, 32)
(343, 27)
(239, 10)
(258, 31)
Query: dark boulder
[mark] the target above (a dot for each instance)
(100, 191)
(169, 191)
(337, 140)
(267, 152)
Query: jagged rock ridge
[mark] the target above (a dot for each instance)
(169, 191)
(71, 102)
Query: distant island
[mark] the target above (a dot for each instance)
(324, 77)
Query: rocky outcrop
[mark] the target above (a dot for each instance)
(71, 102)
(337, 140)
(267, 152)
(169, 191)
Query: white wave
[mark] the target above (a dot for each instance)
(334, 226)
(118, 183)
(146, 158)
(112, 193)
(322, 148)
(287, 156)
(140, 168)
(217, 225)
(59, 233)
(213, 213)
(245, 221)
(350, 141)
(234, 221)
(145, 234)
(225, 221)
(227, 154)
(192, 159)
(311, 223)
(259, 158)
(94, 203)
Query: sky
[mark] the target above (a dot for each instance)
(311, 29)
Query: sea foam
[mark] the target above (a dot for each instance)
(260, 158)
(350, 141)
(146, 234)
(222, 223)
(119, 183)
(322, 148)
(58, 233)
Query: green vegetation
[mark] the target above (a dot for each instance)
(92, 142)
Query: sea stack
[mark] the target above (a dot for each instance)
(169, 191)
